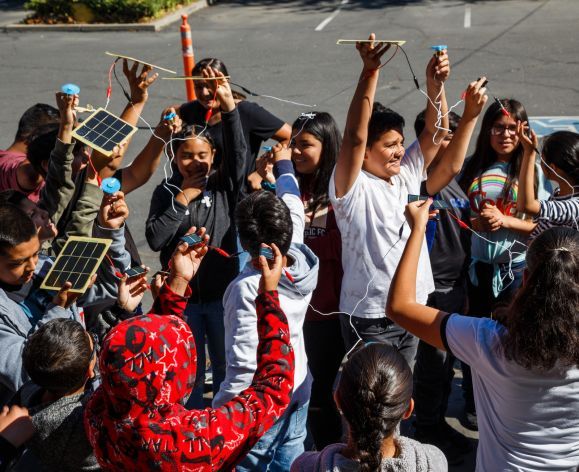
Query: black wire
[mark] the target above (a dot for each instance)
(127, 96)
(253, 94)
(411, 70)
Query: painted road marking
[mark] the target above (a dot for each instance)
(325, 23)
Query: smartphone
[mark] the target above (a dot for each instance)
(135, 272)
(266, 252)
(192, 239)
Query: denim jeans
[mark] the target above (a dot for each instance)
(206, 322)
(380, 330)
(434, 368)
(280, 445)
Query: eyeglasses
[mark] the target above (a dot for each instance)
(498, 130)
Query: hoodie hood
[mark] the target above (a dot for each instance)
(147, 365)
(303, 271)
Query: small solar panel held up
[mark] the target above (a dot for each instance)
(77, 262)
(103, 131)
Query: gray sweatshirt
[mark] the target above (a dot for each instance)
(60, 443)
(413, 457)
(24, 310)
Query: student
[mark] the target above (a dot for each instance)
(316, 143)
(449, 258)
(369, 187)
(524, 363)
(262, 217)
(560, 164)
(60, 359)
(16, 172)
(258, 124)
(197, 197)
(35, 117)
(490, 180)
(136, 420)
(374, 394)
(24, 307)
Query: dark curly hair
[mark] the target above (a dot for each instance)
(484, 155)
(373, 394)
(542, 321)
(324, 128)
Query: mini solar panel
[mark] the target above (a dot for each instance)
(103, 131)
(437, 204)
(77, 262)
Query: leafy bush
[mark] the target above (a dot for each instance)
(105, 11)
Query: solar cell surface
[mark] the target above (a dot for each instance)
(77, 262)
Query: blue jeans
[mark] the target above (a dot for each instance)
(206, 322)
(280, 445)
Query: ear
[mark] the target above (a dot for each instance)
(91, 368)
(409, 411)
(367, 153)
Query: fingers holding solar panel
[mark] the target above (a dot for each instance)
(103, 131)
(77, 263)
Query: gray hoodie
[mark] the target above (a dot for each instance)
(17, 320)
(240, 317)
(413, 457)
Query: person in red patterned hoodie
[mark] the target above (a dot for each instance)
(136, 419)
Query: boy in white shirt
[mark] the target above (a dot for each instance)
(266, 218)
(369, 190)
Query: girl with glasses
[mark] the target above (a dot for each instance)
(490, 180)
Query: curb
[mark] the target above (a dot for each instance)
(153, 26)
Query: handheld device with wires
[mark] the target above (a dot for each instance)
(436, 204)
(192, 239)
(136, 271)
(267, 253)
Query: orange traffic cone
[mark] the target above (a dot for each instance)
(188, 57)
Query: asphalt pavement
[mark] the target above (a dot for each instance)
(526, 48)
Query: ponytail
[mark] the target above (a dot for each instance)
(373, 394)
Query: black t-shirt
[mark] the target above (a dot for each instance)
(258, 124)
(450, 253)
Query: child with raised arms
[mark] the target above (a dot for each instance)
(524, 363)
(368, 190)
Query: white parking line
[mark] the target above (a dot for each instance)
(324, 23)
(467, 15)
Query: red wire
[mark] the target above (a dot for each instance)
(110, 87)
(209, 112)
(371, 72)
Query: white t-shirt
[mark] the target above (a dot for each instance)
(374, 233)
(527, 421)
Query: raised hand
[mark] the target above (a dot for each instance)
(475, 99)
(528, 137)
(66, 105)
(371, 53)
(139, 83)
(264, 167)
(131, 291)
(438, 67)
(417, 214)
(187, 259)
(219, 87)
(270, 270)
(114, 211)
(281, 153)
(166, 128)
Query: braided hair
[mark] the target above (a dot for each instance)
(374, 392)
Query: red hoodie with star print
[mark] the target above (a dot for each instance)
(136, 420)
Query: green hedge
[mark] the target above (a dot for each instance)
(107, 11)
